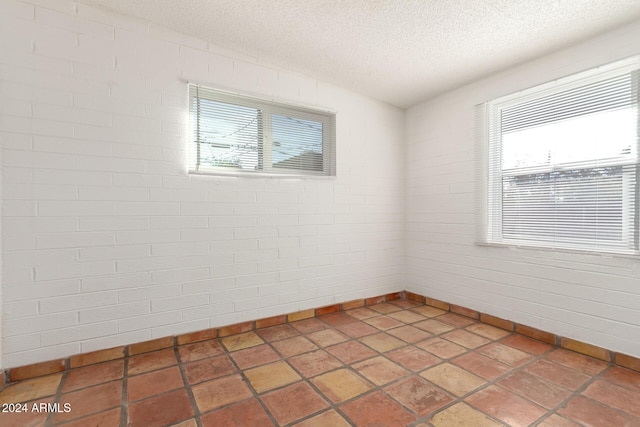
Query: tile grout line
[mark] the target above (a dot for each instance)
(305, 379)
(57, 398)
(245, 379)
(124, 413)
(578, 392)
(187, 386)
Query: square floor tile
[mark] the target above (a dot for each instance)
(614, 396)
(92, 375)
(242, 341)
(576, 361)
(382, 342)
(623, 377)
(409, 334)
(453, 379)
(558, 374)
(456, 320)
(254, 356)
(341, 385)
(200, 350)
(527, 345)
(243, 414)
(595, 414)
(357, 329)
(406, 316)
(151, 361)
(385, 308)
(275, 333)
(433, 326)
(327, 337)
(294, 402)
(487, 331)
(101, 419)
(220, 392)
(208, 369)
(326, 419)
(314, 363)
(269, 377)
(419, 395)
(465, 338)
(405, 303)
(31, 389)
(362, 313)
(483, 366)
(428, 311)
(558, 421)
(383, 322)
(152, 383)
(351, 351)
(413, 358)
(462, 415)
(164, 409)
(505, 354)
(29, 418)
(441, 347)
(294, 346)
(337, 319)
(90, 400)
(309, 325)
(376, 409)
(536, 389)
(507, 407)
(380, 370)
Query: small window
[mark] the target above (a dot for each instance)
(562, 168)
(237, 134)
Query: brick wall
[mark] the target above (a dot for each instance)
(591, 298)
(108, 241)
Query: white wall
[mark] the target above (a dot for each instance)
(107, 240)
(595, 299)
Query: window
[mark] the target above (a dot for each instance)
(562, 168)
(236, 134)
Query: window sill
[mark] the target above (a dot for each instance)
(603, 254)
(232, 174)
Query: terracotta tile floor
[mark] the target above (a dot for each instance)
(392, 364)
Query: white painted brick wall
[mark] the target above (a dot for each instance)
(595, 299)
(108, 241)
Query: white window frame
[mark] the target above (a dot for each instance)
(267, 109)
(490, 172)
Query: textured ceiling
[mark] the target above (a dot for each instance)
(399, 51)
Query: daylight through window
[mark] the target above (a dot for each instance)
(236, 134)
(562, 168)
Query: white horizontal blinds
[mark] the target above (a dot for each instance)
(240, 134)
(227, 135)
(563, 166)
(612, 93)
(297, 143)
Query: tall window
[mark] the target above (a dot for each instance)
(563, 163)
(236, 134)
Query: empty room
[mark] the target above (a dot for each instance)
(418, 213)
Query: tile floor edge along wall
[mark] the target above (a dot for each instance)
(85, 359)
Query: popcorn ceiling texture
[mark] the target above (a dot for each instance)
(401, 52)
